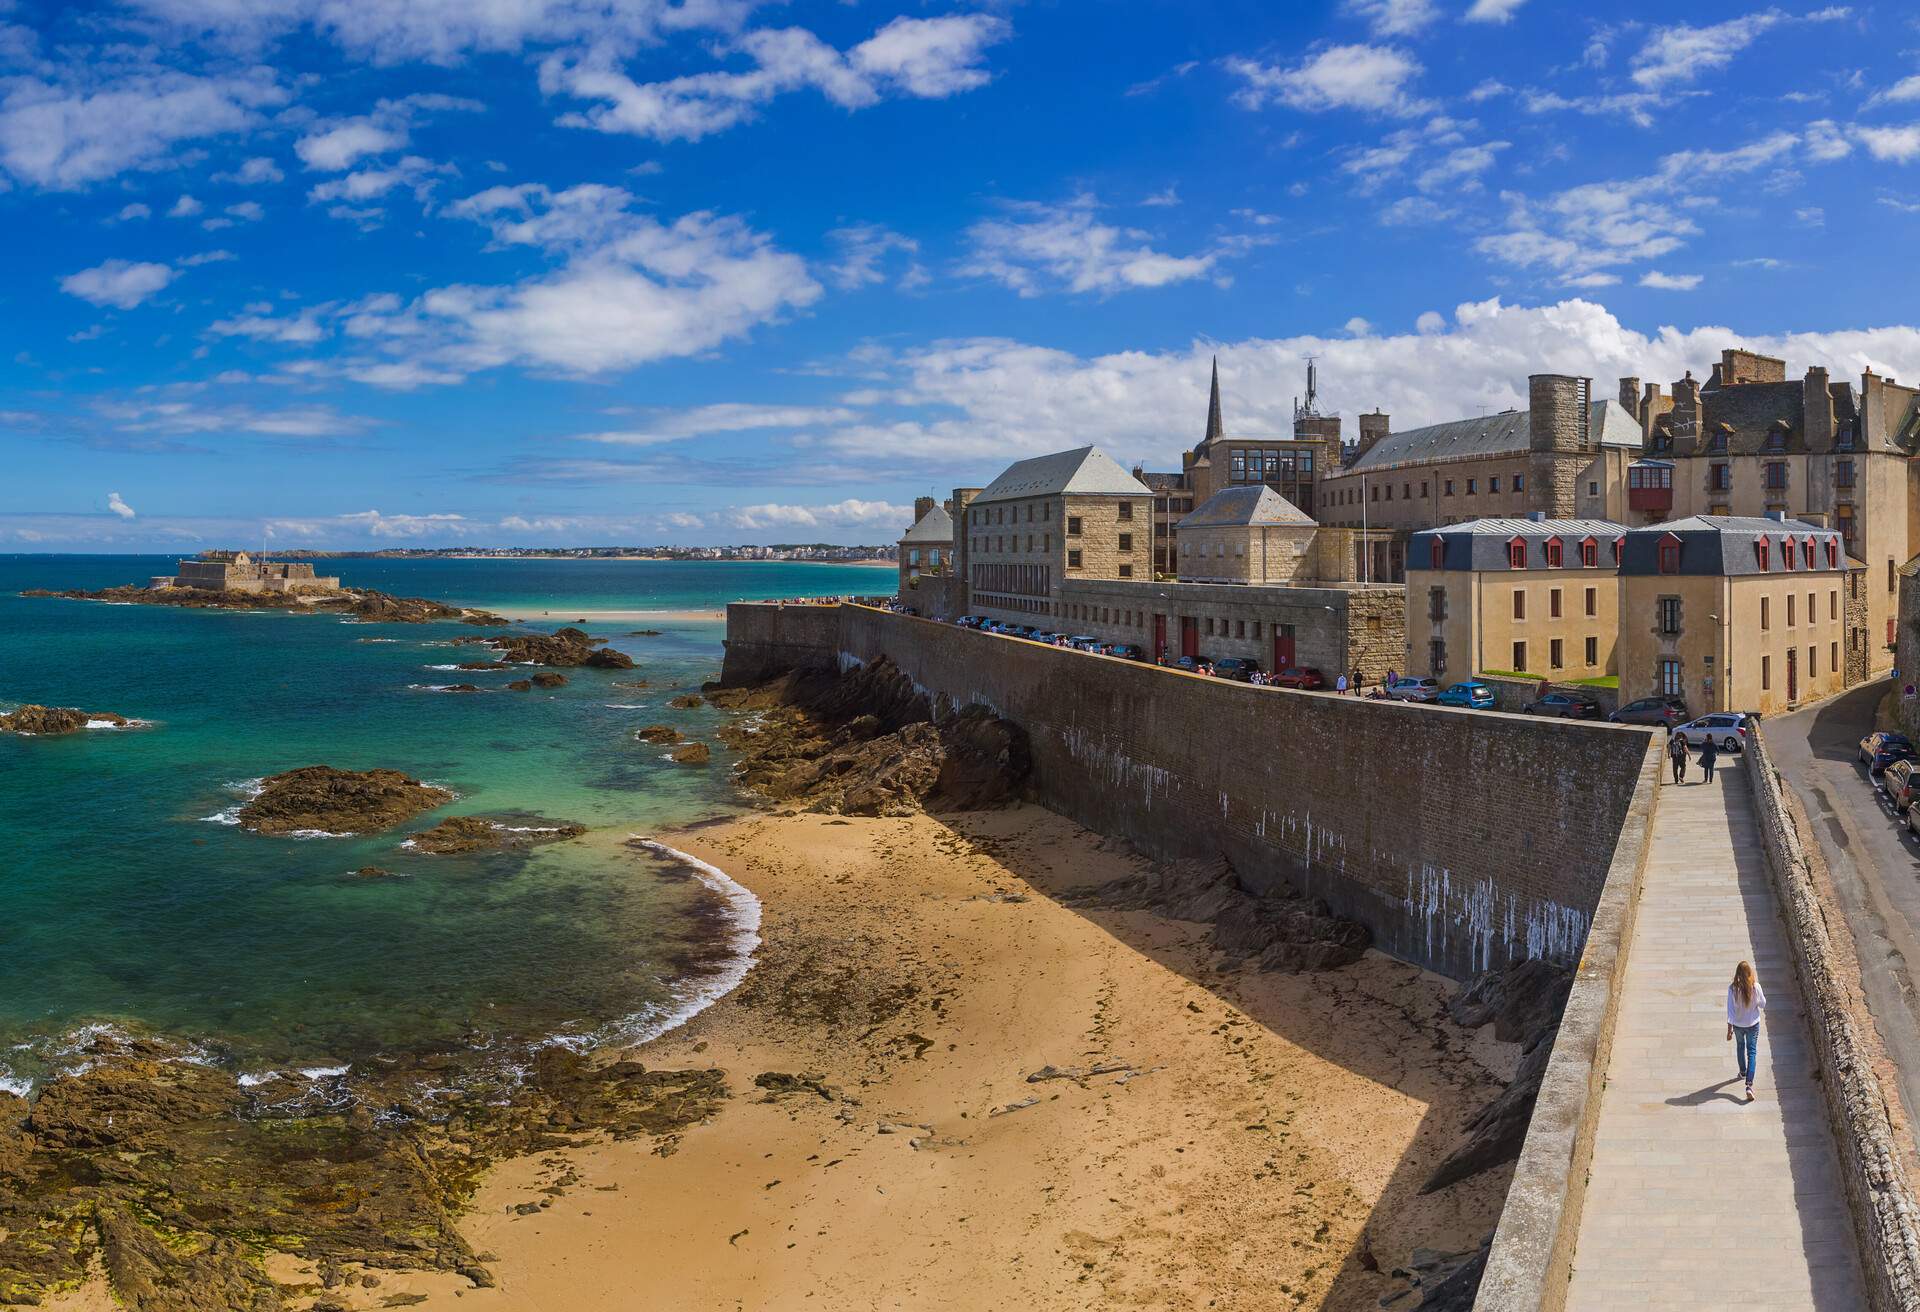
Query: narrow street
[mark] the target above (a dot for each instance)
(1875, 861)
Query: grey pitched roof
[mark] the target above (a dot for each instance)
(1085, 471)
(1724, 544)
(1490, 435)
(1481, 544)
(1255, 505)
(935, 528)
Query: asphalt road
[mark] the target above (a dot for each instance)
(1875, 862)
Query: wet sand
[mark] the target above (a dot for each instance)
(1246, 1139)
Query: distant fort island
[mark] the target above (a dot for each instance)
(237, 571)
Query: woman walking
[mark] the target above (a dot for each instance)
(1708, 755)
(1745, 1002)
(1677, 753)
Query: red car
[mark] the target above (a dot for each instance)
(1296, 677)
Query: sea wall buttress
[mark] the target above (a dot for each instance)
(1464, 840)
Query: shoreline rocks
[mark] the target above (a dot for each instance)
(459, 834)
(322, 799)
(364, 603)
(691, 754)
(47, 721)
(565, 647)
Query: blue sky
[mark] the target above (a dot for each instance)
(349, 273)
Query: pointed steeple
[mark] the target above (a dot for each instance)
(1215, 429)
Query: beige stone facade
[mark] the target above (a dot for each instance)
(238, 571)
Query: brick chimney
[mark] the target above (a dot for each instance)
(922, 507)
(1373, 427)
(1630, 396)
(1816, 396)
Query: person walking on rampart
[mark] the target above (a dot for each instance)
(1708, 755)
(1745, 1002)
(1677, 752)
(1340, 685)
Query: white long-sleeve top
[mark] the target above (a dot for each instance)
(1749, 1014)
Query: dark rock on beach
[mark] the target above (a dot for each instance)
(473, 833)
(868, 743)
(691, 754)
(338, 801)
(686, 701)
(42, 721)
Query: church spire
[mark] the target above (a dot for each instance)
(1215, 429)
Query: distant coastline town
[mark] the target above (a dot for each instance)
(825, 552)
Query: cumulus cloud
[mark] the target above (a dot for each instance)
(852, 513)
(63, 133)
(1372, 79)
(119, 507)
(863, 249)
(1669, 282)
(1898, 145)
(921, 58)
(336, 147)
(1041, 248)
(726, 417)
(255, 172)
(1680, 53)
(122, 284)
(1492, 11)
(1394, 17)
(185, 208)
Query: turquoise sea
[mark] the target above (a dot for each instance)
(125, 901)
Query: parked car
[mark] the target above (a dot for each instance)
(1899, 782)
(1652, 710)
(1237, 668)
(1879, 750)
(1913, 821)
(1128, 651)
(1470, 693)
(1727, 730)
(1414, 690)
(1191, 664)
(1298, 676)
(1083, 641)
(972, 621)
(1565, 705)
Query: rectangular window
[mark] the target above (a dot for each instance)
(1373, 493)
(1843, 473)
(1449, 487)
(1520, 657)
(1789, 610)
(1519, 482)
(1813, 661)
(1766, 613)
(1239, 628)
(1833, 656)
(1776, 475)
(1593, 652)
(1126, 510)
(1436, 604)
(1238, 466)
(1593, 603)
(1073, 526)
(1073, 560)
(1126, 542)
(1553, 654)
(1593, 490)
(1669, 615)
(1766, 673)
(1833, 604)
(1553, 602)
(1493, 484)
(1126, 571)
(1519, 604)
(1423, 489)
(1719, 477)
(1473, 485)
(1670, 677)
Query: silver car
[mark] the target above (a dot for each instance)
(1726, 730)
(1414, 690)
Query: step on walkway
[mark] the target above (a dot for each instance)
(1697, 1199)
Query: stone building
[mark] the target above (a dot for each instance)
(1751, 442)
(1563, 457)
(1737, 613)
(237, 571)
(1046, 522)
(928, 583)
(1534, 596)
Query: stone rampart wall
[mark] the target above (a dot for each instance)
(1463, 840)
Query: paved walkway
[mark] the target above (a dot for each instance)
(1697, 1199)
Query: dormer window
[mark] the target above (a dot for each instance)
(1619, 550)
(1517, 553)
(1776, 440)
(1786, 551)
(1589, 553)
(1439, 553)
(1553, 553)
(1833, 553)
(1760, 552)
(1718, 441)
(1806, 548)
(1670, 554)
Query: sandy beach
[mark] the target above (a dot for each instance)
(1247, 1138)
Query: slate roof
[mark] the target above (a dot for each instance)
(1747, 414)
(934, 529)
(1481, 544)
(1489, 435)
(1723, 544)
(1252, 506)
(1085, 471)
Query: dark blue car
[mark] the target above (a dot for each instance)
(1879, 750)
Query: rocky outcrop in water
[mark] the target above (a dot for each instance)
(364, 603)
(319, 797)
(1523, 1003)
(562, 647)
(42, 721)
(180, 1185)
(474, 833)
(868, 743)
(691, 754)
(1277, 931)
(658, 733)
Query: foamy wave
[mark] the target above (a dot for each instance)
(248, 789)
(439, 667)
(131, 723)
(322, 1072)
(317, 833)
(16, 1085)
(626, 706)
(249, 1080)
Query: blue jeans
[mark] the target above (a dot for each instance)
(1746, 1047)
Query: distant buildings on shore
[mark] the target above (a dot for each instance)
(814, 551)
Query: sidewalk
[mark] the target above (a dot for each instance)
(1697, 1199)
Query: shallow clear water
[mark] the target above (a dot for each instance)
(120, 901)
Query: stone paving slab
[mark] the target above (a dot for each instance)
(1697, 1199)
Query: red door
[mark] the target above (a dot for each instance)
(1159, 637)
(1189, 636)
(1282, 647)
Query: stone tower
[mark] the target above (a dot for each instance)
(1561, 441)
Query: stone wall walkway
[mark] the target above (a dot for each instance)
(1697, 1199)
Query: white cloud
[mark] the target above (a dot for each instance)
(122, 284)
(1906, 89)
(1669, 282)
(185, 208)
(726, 417)
(1166, 198)
(1065, 247)
(1460, 169)
(1492, 11)
(851, 513)
(262, 326)
(169, 417)
(64, 134)
(119, 507)
(1429, 323)
(864, 247)
(1679, 53)
(255, 172)
(134, 211)
(410, 171)
(1896, 145)
(205, 257)
(1372, 79)
(1394, 17)
(923, 58)
(334, 148)
(1358, 327)
(1826, 142)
